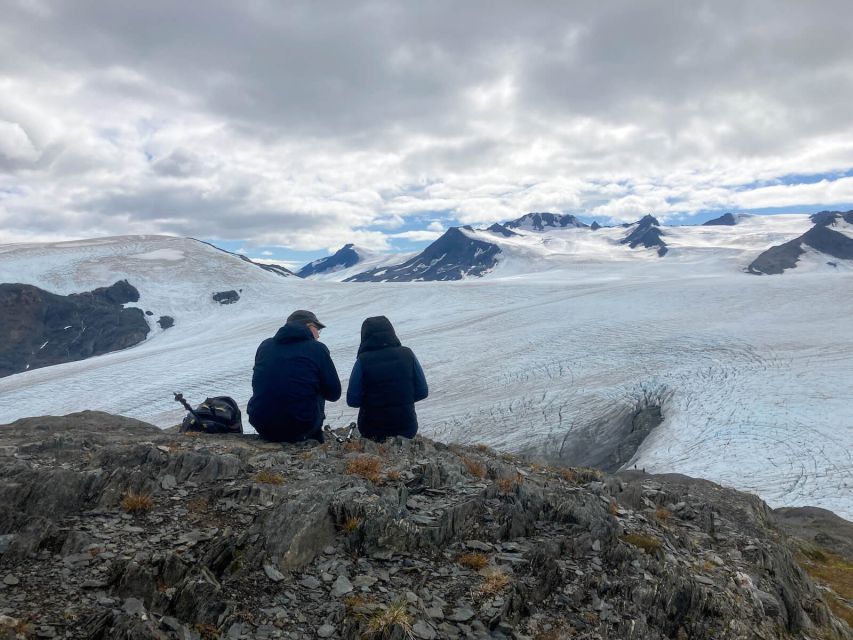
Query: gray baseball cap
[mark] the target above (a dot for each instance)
(305, 317)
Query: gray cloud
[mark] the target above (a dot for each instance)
(304, 125)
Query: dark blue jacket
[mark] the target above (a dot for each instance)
(293, 377)
(385, 383)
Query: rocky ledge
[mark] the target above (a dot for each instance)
(111, 528)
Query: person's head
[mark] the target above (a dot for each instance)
(307, 318)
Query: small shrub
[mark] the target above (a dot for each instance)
(663, 514)
(649, 544)
(474, 560)
(353, 446)
(507, 485)
(569, 475)
(483, 448)
(137, 503)
(613, 507)
(475, 468)
(382, 450)
(207, 631)
(269, 477)
(351, 524)
(495, 582)
(366, 467)
(384, 623)
(393, 475)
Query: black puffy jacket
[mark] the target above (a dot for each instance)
(293, 377)
(386, 381)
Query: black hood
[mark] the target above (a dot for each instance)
(377, 333)
(294, 332)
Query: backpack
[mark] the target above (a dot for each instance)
(215, 415)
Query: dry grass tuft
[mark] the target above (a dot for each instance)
(269, 477)
(193, 434)
(507, 485)
(475, 468)
(393, 475)
(474, 560)
(199, 504)
(613, 507)
(484, 448)
(569, 475)
(353, 446)
(351, 524)
(386, 622)
(366, 467)
(495, 582)
(649, 544)
(305, 455)
(382, 450)
(137, 503)
(663, 514)
(207, 631)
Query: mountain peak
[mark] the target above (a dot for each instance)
(538, 221)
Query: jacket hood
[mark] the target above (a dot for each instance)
(293, 332)
(377, 333)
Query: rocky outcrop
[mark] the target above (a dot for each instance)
(455, 255)
(113, 529)
(822, 237)
(226, 297)
(727, 219)
(538, 221)
(343, 258)
(39, 328)
(647, 233)
(166, 322)
(501, 230)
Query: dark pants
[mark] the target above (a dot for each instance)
(287, 433)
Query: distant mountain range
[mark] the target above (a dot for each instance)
(762, 245)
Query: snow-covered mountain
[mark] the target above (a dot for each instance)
(544, 221)
(457, 254)
(344, 258)
(646, 232)
(568, 334)
(829, 241)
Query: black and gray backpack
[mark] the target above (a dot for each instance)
(215, 415)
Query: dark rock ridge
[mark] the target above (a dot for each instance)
(501, 230)
(237, 538)
(39, 328)
(343, 258)
(226, 297)
(648, 234)
(726, 219)
(539, 221)
(452, 257)
(821, 237)
(595, 226)
(272, 268)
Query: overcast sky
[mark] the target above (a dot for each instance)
(289, 128)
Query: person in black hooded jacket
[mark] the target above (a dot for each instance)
(293, 377)
(386, 382)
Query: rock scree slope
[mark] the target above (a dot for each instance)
(112, 528)
(39, 328)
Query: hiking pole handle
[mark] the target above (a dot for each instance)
(179, 397)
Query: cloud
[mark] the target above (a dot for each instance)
(284, 124)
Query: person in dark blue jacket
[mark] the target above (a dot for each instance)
(386, 382)
(293, 377)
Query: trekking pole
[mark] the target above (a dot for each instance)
(351, 431)
(179, 397)
(328, 430)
